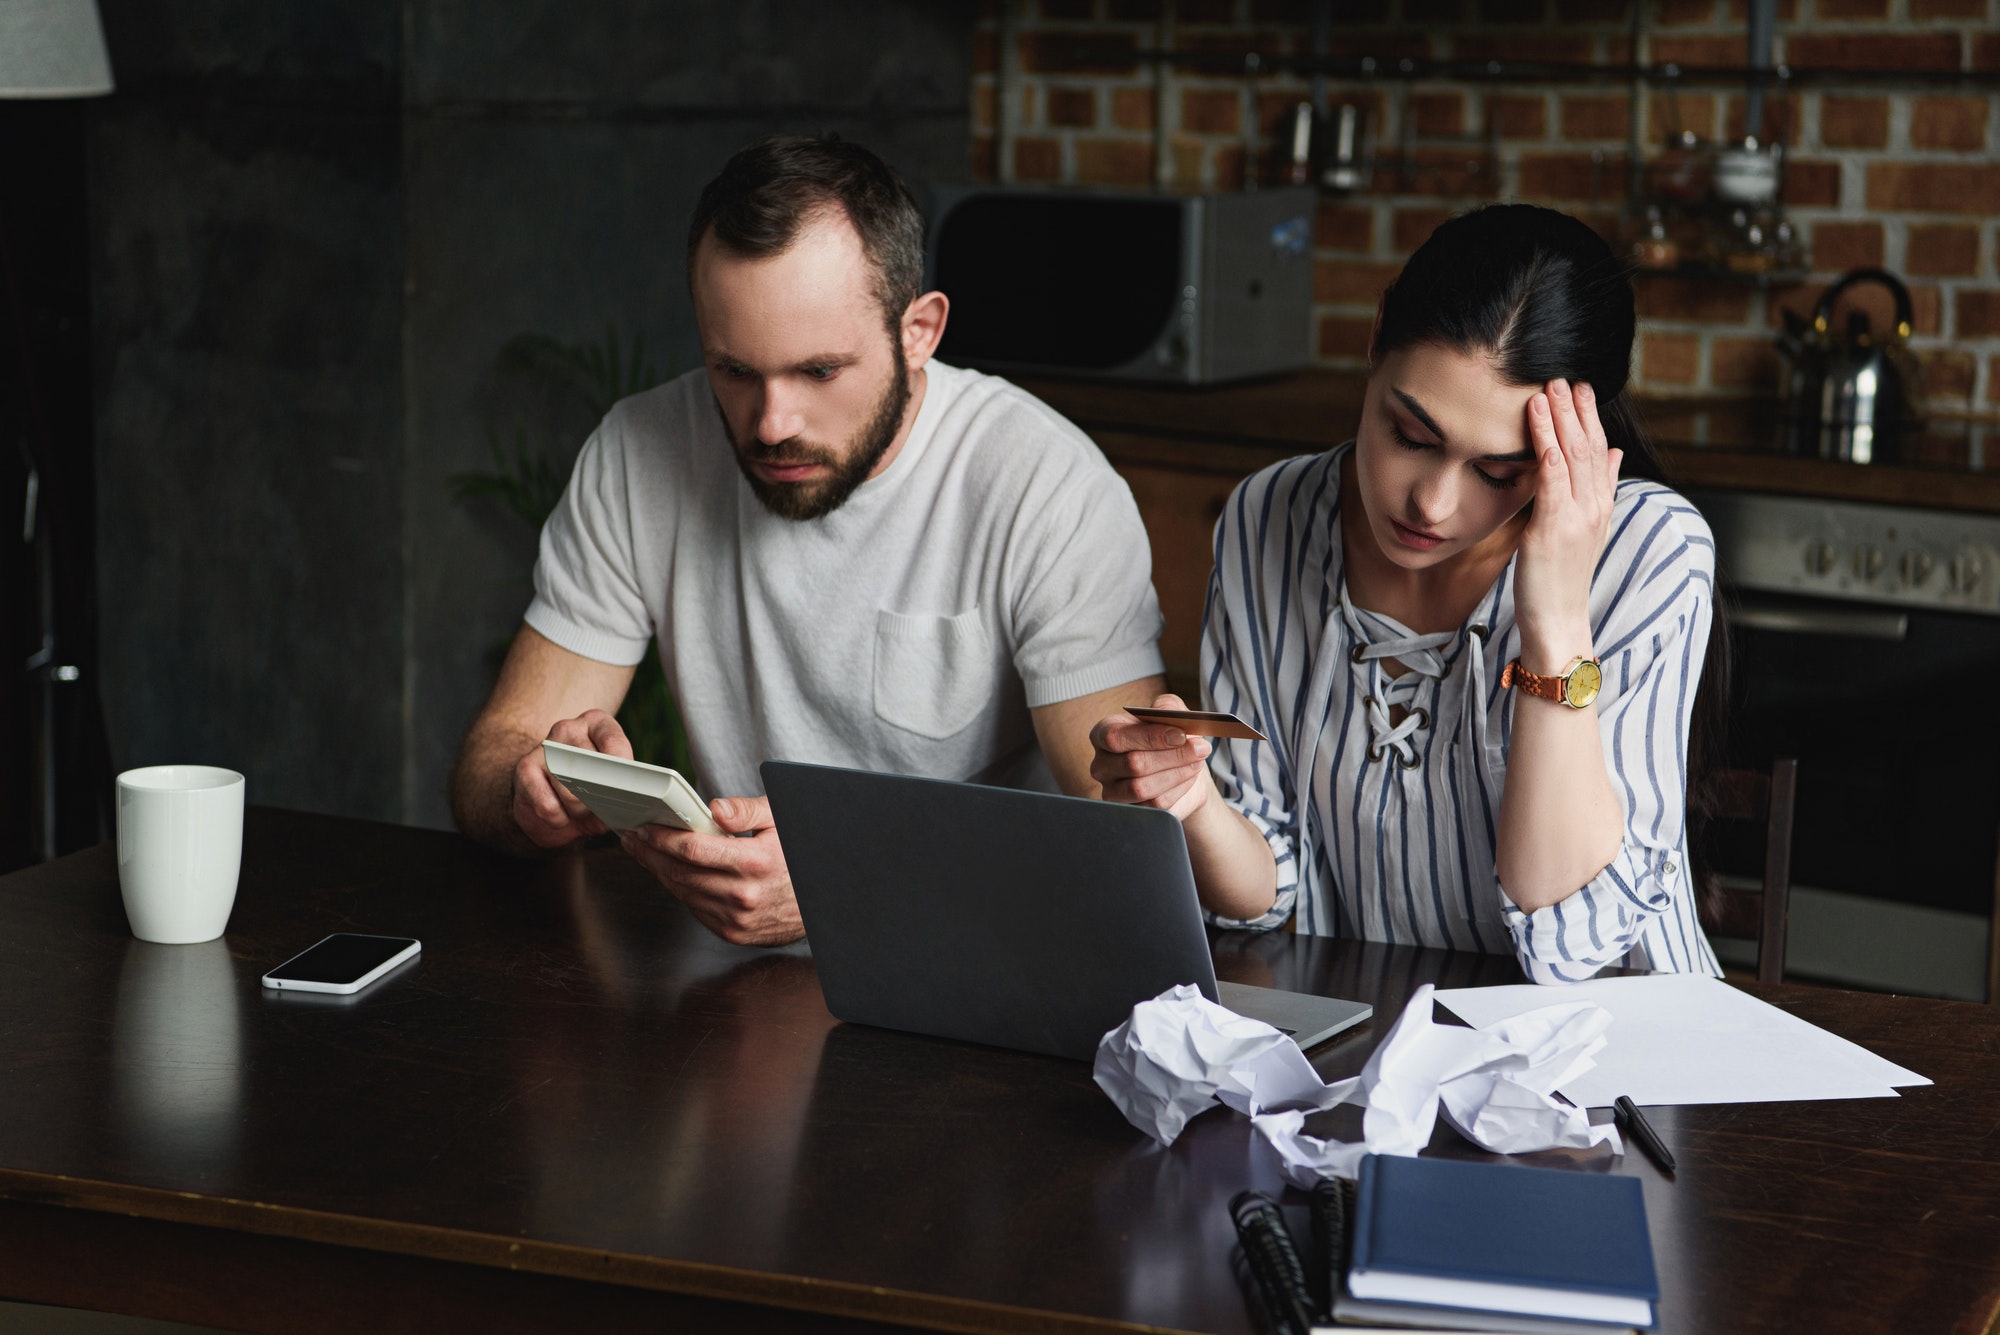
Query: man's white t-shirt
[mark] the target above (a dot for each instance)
(997, 564)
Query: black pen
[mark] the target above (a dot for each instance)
(1636, 1126)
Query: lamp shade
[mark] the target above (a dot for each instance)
(52, 48)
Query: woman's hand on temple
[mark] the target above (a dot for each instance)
(1151, 764)
(1576, 481)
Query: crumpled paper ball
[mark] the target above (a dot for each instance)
(1180, 1054)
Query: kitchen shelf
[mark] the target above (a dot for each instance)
(1406, 68)
(1720, 273)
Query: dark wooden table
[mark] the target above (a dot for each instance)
(580, 1111)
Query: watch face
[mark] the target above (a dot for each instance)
(1585, 680)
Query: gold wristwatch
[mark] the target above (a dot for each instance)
(1576, 687)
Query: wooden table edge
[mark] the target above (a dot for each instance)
(824, 1297)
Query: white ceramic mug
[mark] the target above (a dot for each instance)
(180, 846)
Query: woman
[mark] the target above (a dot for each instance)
(1416, 621)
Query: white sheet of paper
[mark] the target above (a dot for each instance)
(1687, 1038)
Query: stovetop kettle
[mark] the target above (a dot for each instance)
(1851, 396)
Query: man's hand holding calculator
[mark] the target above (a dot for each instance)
(737, 887)
(722, 859)
(548, 813)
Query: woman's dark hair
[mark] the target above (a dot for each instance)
(1545, 298)
(768, 192)
(1539, 293)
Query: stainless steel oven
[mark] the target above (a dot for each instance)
(1867, 644)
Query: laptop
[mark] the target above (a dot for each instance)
(1021, 920)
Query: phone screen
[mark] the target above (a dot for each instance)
(344, 957)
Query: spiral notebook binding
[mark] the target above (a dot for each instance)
(1332, 1200)
(1274, 1262)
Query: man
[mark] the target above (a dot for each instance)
(848, 552)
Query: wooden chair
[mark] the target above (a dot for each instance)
(1750, 795)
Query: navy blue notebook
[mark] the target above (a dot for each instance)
(1482, 1237)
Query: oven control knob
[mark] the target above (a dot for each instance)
(1916, 567)
(1868, 562)
(1964, 574)
(1820, 557)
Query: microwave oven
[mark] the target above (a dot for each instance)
(1188, 289)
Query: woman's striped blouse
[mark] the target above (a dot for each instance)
(1387, 832)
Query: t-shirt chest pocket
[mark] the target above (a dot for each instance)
(933, 674)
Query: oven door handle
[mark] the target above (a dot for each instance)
(1757, 614)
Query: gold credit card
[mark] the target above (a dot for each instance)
(1199, 722)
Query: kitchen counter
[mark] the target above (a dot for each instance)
(1182, 451)
(1732, 444)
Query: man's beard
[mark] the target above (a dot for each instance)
(849, 468)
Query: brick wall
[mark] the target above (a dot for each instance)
(1908, 178)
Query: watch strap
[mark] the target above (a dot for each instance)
(1548, 688)
(1557, 688)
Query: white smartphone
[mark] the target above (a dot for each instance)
(344, 962)
(626, 794)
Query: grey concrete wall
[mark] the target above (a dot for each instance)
(299, 326)
(247, 218)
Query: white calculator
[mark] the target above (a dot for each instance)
(626, 794)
